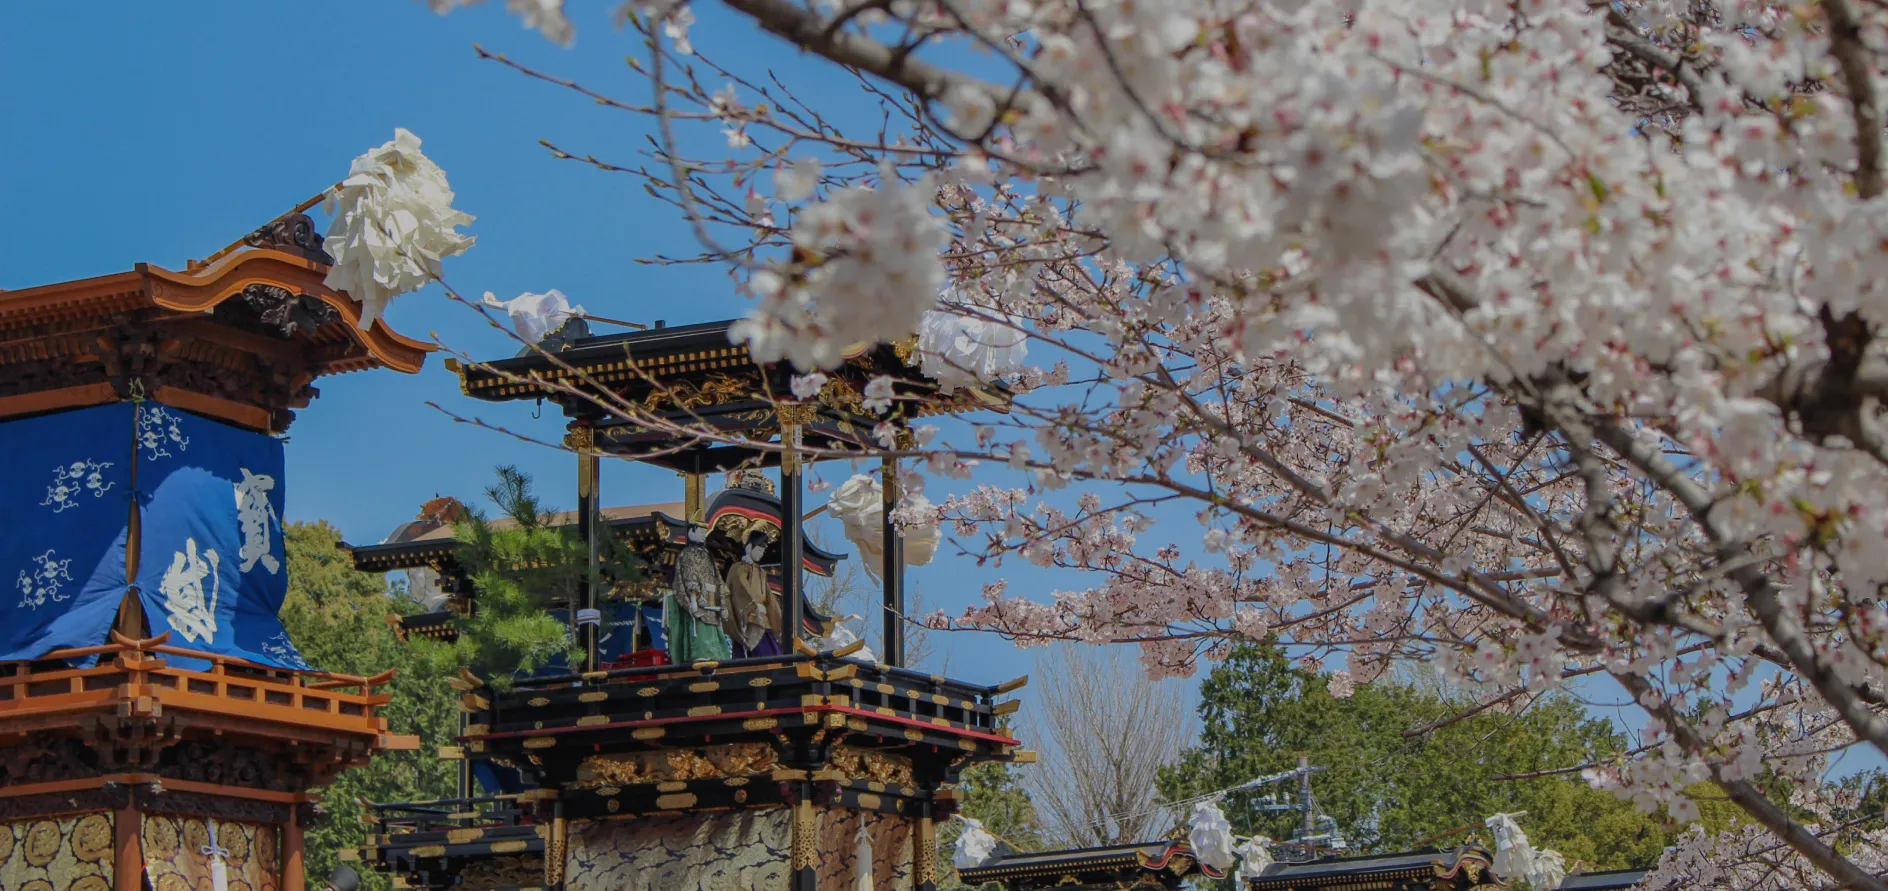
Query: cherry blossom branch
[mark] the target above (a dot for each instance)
(1845, 44)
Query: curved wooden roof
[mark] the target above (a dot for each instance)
(201, 290)
(239, 339)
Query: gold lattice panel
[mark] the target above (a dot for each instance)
(174, 859)
(64, 854)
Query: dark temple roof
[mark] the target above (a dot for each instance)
(1614, 880)
(1106, 866)
(1463, 867)
(695, 377)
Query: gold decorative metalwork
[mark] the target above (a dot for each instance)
(554, 848)
(581, 439)
(872, 766)
(739, 526)
(676, 766)
(840, 395)
(906, 350)
(805, 836)
(798, 413)
(924, 852)
(715, 390)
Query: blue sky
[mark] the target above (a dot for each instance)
(137, 134)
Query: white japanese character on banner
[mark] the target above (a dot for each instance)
(192, 614)
(256, 515)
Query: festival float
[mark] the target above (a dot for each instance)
(716, 734)
(160, 730)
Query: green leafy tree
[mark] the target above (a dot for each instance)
(337, 617)
(993, 794)
(520, 566)
(1389, 789)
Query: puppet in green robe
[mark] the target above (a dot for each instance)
(693, 613)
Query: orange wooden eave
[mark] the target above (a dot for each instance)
(199, 291)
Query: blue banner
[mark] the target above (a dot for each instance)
(66, 489)
(211, 565)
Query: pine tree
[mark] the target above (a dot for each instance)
(520, 571)
(993, 794)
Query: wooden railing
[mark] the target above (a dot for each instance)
(128, 669)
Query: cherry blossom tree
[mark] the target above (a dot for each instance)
(1534, 339)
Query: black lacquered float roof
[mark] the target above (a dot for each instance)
(1111, 865)
(1463, 867)
(1612, 880)
(630, 363)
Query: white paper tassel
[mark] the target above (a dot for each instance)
(1211, 835)
(219, 873)
(975, 847)
(960, 350)
(859, 504)
(536, 315)
(862, 857)
(1255, 854)
(393, 222)
(1515, 857)
(843, 637)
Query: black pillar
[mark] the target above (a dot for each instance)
(893, 571)
(791, 550)
(803, 861)
(584, 612)
(465, 763)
